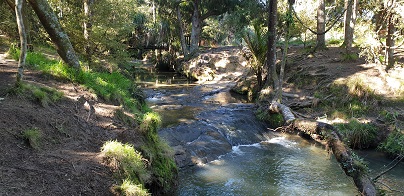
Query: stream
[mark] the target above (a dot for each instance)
(222, 149)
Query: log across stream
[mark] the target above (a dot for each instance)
(327, 133)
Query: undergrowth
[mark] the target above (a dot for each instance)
(351, 99)
(394, 144)
(129, 164)
(113, 87)
(156, 167)
(357, 134)
(159, 153)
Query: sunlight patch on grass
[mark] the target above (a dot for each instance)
(126, 160)
(128, 188)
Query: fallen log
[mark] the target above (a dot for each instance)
(343, 154)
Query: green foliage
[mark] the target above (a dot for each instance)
(163, 168)
(357, 134)
(128, 188)
(274, 119)
(394, 144)
(334, 41)
(158, 152)
(43, 95)
(128, 162)
(114, 87)
(348, 57)
(33, 137)
(150, 124)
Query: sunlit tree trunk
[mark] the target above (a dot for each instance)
(88, 29)
(196, 28)
(272, 79)
(23, 39)
(390, 42)
(349, 23)
(321, 25)
(59, 37)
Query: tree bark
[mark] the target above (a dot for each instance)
(390, 42)
(321, 25)
(184, 44)
(58, 36)
(349, 23)
(23, 39)
(272, 80)
(196, 28)
(323, 131)
(88, 29)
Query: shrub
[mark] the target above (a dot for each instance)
(357, 134)
(394, 144)
(33, 137)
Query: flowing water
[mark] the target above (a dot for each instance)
(222, 149)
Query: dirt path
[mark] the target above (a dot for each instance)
(67, 161)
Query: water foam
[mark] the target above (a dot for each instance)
(281, 141)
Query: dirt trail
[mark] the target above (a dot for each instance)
(67, 161)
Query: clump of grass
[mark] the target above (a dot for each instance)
(128, 188)
(357, 134)
(150, 124)
(44, 95)
(334, 41)
(33, 137)
(349, 57)
(128, 162)
(394, 143)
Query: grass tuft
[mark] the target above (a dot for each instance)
(126, 160)
(33, 137)
(128, 188)
(357, 134)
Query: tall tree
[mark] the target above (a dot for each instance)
(23, 39)
(87, 28)
(320, 25)
(351, 7)
(51, 24)
(272, 80)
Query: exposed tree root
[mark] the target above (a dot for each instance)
(326, 132)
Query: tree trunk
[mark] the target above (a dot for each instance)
(59, 37)
(88, 29)
(289, 20)
(323, 131)
(184, 44)
(23, 39)
(390, 43)
(349, 23)
(321, 25)
(272, 80)
(196, 29)
(27, 24)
